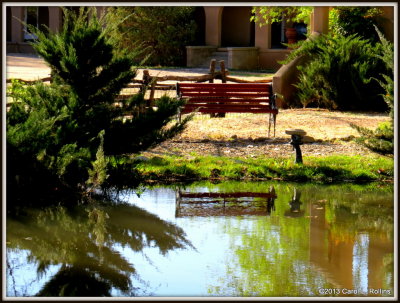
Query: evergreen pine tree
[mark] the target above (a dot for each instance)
(381, 140)
(62, 126)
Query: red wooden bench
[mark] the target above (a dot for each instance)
(229, 98)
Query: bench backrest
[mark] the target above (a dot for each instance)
(227, 97)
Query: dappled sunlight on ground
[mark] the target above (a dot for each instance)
(319, 124)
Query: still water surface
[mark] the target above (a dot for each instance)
(245, 239)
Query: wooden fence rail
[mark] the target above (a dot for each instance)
(152, 83)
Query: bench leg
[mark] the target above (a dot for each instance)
(269, 124)
(179, 116)
(272, 119)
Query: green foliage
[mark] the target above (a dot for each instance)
(355, 20)
(387, 83)
(382, 139)
(72, 125)
(337, 73)
(162, 32)
(39, 126)
(98, 174)
(379, 140)
(270, 14)
(324, 170)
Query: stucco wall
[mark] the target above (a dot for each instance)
(245, 58)
(195, 55)
(268, 58)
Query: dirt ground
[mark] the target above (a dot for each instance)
(246, 135)
(329, 132)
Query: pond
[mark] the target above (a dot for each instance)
(231, 239)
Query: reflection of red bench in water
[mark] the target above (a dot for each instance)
(224, 204)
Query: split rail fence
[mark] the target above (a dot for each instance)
(151, 84)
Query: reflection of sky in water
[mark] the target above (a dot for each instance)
(25, 280)
(360, 263)
(160, 202)
(182, 272)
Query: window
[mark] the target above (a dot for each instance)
(301, 29)
(31, 18)
(278, 34)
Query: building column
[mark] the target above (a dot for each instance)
(262, 36)
(320, 20)
(213, 25)
(17, 28)
(55, 18)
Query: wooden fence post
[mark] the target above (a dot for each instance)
(223, 71)
(146, 80)
(212, 70)
(152, 91)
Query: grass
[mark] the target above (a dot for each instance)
(232, 72)
(251, 73)
(314, 169)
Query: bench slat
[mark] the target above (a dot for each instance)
(225, 94)
(227, 101)
(232, 110)
(226, 90)
(225, 85)
(243, 106)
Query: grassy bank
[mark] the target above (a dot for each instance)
(315, 169)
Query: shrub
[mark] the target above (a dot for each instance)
(387, 81)
(337, 73)
(163, 32)
(70, 126)
(381, 140)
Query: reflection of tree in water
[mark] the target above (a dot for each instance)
(75, 282)
(281, 247)
(84, 241)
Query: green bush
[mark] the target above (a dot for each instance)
(337, 73)
(162, 31)
(70, 127)
(382, 139)
(387, 80)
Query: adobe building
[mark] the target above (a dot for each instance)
(243, 44)
(16, 35)
(229, 35)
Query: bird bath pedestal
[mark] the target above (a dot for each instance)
(297, 135)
